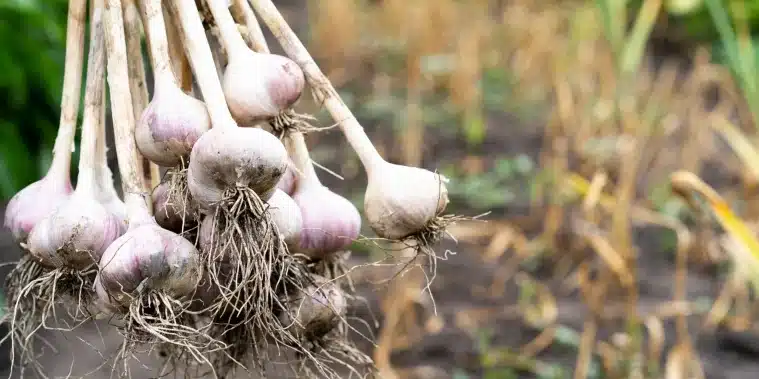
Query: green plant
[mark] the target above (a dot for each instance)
(33, 37)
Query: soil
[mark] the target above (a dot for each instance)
(453, 346)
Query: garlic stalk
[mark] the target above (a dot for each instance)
(107, 194)
(137, 78)
(38, 199)
(395, 208)
(255, 34)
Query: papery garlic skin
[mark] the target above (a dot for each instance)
(168, 262)
(30, 205)
(317, 310)
(401, 201)
(260, 86)
(170, 126)
(235, 157)
(330, 221)
(75, 235)
(286, 215)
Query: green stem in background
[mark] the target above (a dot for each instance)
(635, 44)
(614, 18)
(745, 75)
(746, 56)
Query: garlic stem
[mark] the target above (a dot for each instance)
(93, 100)
(122, 112)
(230, 35)
(137, 77)
(159, 45)
(199, 53)
(101, 156)
(72, 85)
(302, 160)
(255, 33)
(321, 86)
(135, 64)
(179, 63)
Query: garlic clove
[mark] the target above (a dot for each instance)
(75, 235)
(315, 311)
(393, 209)
(170, 126)
(147, 257)
(235, 157)
(330, 221)
(274, 86)
(30, 205)
(286, 214)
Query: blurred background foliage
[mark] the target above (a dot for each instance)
(32, 36)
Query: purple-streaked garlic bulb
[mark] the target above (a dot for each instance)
(30, 205)
(147, 254)
(286, 215)
(174, 120)
(257, 86)
(330, 221)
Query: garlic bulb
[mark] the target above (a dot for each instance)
(30, 205)
(75, 234)
(315, 311)
(394, 210)
(170, 216)
(257, 86)
(147, 257)
(330, 221)
(171, 124)
(235, 157)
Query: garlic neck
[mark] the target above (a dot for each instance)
(230, 35)
(159, 44)
(138, 212)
